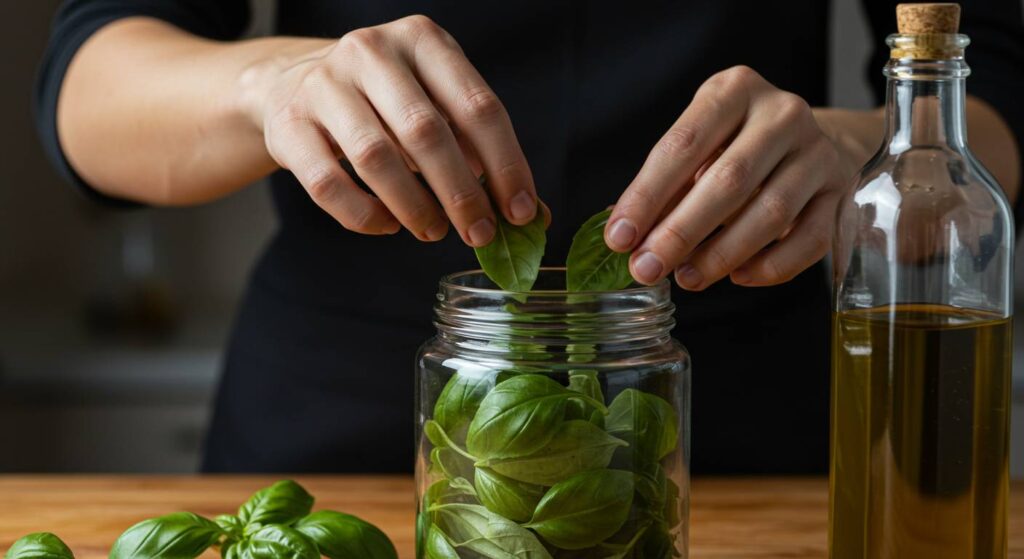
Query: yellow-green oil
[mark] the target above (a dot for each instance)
(920, 433)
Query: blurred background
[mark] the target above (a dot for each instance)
(112, 322)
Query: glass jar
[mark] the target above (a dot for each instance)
(921, 338)
(552, 424)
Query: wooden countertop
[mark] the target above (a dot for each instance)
(735, 518)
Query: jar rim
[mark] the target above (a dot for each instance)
(451, 281)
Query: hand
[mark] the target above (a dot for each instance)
(390, 99)
(744, 184)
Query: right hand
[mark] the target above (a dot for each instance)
(392, 99)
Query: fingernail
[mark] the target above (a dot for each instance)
(523, 206)
(648, 267)
(437, 231)
(621, 235)
(481, 232)
(689, 277)
(740, 276)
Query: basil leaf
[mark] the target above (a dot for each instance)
(576, 446)
(647, 422)
(512, 499)
(229, 523)
(585, 382)
(591, 265)
(437, 545)
(670, 513)
(659, 542)
(512, 259)
(458, 402)
(448, 491)
(518, 417)
(41, 545)
(174, 536)
(281, 503)
(343, 536)
(489, 535)
(585, 509)
(274, 542)
(451, 464)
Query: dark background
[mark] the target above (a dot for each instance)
(112, 322)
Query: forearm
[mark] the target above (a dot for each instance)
(857, 135)
(150, 113)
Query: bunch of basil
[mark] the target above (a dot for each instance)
(276, 522)
(532, 469)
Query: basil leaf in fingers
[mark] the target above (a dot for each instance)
(512, 259)
(281, 503)
(41, 545)
(343, 536)
(585, 509)
(175, 536)
(591, 265)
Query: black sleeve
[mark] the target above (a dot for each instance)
(995, 55)
(77, 20)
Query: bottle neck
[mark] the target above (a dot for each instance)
(925, 97)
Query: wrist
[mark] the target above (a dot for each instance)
(264, 69)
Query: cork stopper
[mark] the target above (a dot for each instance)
(927, 19)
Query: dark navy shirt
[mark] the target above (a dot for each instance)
(319, 371)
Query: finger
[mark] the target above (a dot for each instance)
(301, 147)
(806, 244)
(477, 113)
(717, 110)
(425, 135)
(353, 124)
(722, 189)
(765, 218)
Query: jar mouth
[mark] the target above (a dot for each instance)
(471, 308)
(550, 282)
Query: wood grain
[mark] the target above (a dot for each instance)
(731, 518)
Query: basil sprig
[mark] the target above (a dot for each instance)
(274, 523)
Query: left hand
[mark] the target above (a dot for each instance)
(744, 184)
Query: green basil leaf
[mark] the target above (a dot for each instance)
(458, 402)
(512, 259)
(659, 542)
(447, 491)
(576, 446)
(451, 464)
(585, 509)
(670, 513)
(519, 417)
(646, 421)
(512, 499)
(343, 536)
(281, 503)
(41, 545)
(174, 536)
(591, 265)
(274, 542)
(585, 382)
(489, 535)
(230, 523)
(437, 545)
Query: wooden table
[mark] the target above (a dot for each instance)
(735, 518)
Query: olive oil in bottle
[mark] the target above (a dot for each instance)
(920, 440)
(921, 351)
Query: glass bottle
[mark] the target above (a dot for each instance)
(552, 424)
(921, 332)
